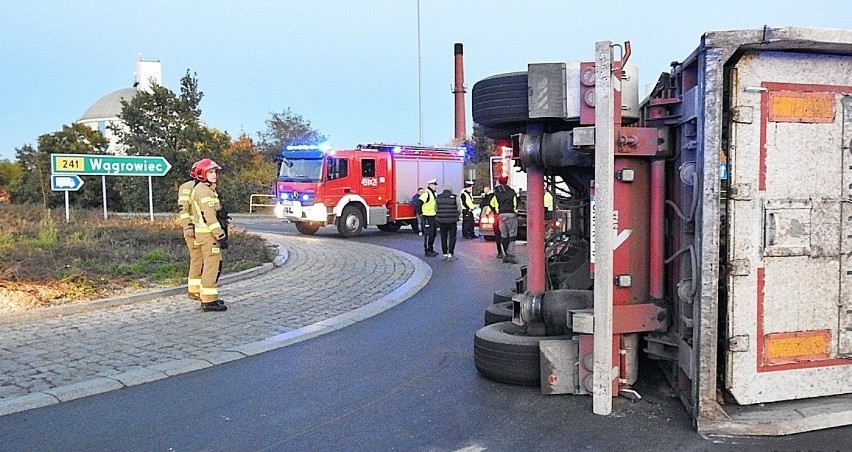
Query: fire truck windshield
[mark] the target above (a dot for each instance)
(299, 170)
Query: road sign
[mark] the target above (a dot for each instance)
(109, 165)
(65, 182)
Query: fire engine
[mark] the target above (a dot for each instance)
(713, 234)
(352, 188)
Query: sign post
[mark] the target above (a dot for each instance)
(66, 183)
(110, 165)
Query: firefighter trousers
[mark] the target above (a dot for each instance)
(196, 261)
(211, 256)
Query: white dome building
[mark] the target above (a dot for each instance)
(104, 112)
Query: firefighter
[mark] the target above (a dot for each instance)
(209, 233)
(429, 209)
(185, 215)
(505, 200)
(467, 210)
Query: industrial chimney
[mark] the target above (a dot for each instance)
(458, 90)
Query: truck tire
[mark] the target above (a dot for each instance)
(503, 295)
(500, 312)
(501, 104)
(501, 352)
(307, 228)
(351, 222)
(392, 226)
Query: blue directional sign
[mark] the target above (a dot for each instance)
(65, 182)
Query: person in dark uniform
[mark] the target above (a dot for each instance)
(505, 200)
(485, 205)
(447, 208)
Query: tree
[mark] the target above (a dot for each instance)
(10, 173)
(34, 183)
(286, 128)
(163, 123)
(484, 146)
(245, 172)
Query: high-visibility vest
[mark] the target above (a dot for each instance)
(428, 203)
(466, 200)
(548, 201)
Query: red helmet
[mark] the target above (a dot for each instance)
(193, 173)
(205, 165)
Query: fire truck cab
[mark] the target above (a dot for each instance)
(352, 188)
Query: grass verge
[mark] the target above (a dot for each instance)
(46, 262)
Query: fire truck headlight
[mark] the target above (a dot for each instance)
(284, 196)
(306, 197)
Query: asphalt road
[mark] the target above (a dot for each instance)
(402, 380)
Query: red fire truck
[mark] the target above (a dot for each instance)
(352, 188)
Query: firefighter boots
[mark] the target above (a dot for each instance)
(216, 306)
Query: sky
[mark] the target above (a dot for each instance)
(352, 68)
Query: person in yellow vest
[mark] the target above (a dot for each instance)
(209, 233)
(467, 210)
(429, 209)
(548, 205)
(184, 219)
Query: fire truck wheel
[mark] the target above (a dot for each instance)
(351, 222)
(503, 295)
(500, 312)
(307, 228)
(501, 101)
(501, 352)
(393, 226)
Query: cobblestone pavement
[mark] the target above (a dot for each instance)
(319, 288)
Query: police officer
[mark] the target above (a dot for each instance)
(184, 219)
(467, 205)
(505, 200)
(209, 233)
(429, 209)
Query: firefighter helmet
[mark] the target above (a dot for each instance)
(205, 165)
(193, 173)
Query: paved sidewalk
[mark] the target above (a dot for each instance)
(95, 347)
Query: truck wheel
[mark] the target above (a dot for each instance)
(307, 228)
(392, 226)
(503, 295)
(501, 352)
(351, 222)
(501, 102)
(500, 312)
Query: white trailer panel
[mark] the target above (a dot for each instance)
(789, 290)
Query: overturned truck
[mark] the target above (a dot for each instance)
(711, 229)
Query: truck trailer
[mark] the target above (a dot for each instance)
(716, 236)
